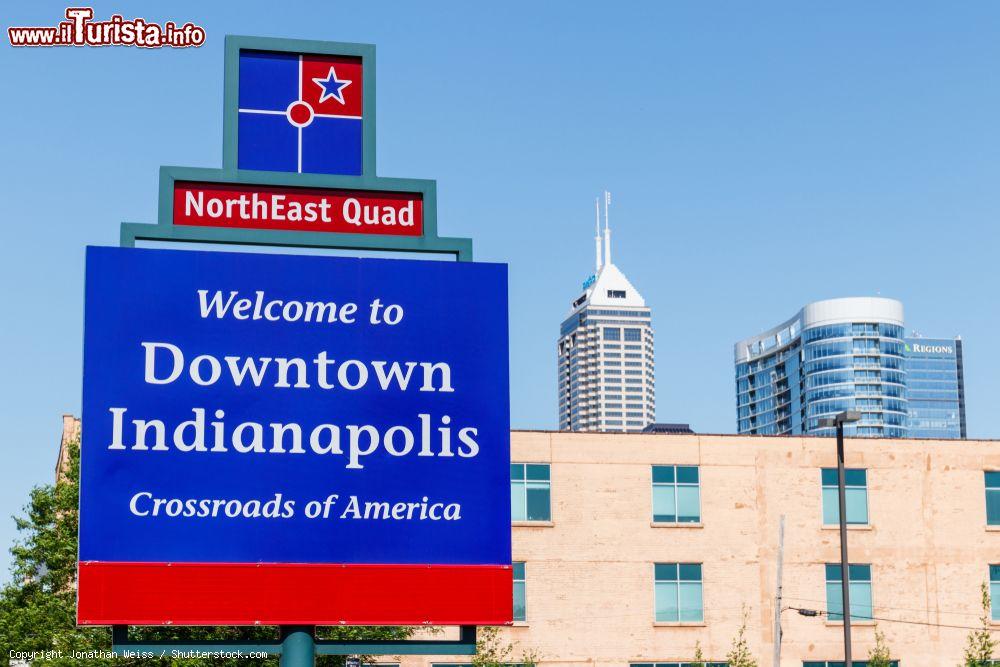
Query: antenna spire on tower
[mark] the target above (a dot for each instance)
(597, 231)
(607, 229)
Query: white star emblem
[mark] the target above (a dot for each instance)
(332, 86)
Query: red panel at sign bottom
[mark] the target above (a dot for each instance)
(292, 594)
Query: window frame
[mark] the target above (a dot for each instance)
(871, 593)
(524, 482)
(524, 590)
(988, 488)
(994, 589)
(675, 485)
(678, 581)
(847, 487)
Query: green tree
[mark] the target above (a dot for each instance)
(980, 643)
(492, 650)
(38, 606)
(699, 656)
(739, 655)
(880, 655)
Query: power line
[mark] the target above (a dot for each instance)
(887, 607)
(816, 612)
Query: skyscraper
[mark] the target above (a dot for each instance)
(834, 355)
(935, 387)
(605, 350)
(850, 354)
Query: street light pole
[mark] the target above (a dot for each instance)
(845, 577)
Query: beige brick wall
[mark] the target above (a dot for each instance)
(70, 433)
(590, 574)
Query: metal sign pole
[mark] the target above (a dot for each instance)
(298, 646)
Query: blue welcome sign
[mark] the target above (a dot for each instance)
(289, 439)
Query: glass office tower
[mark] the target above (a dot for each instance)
(834, 355)
(935, 387)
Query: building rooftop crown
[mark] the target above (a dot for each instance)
(818, 313)
(608, 287)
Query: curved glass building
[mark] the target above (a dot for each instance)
(834, 355)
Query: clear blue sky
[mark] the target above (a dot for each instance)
(761, 155)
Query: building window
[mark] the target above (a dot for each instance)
(856, 496)
(840, 663)
(676, 494)
(995, 591)
(678, 592)
(861, 592)
(530, 492)
(612, 334)
(616, 294)
(520, 604)
(993, 498)
(678, 664)
(633, 334)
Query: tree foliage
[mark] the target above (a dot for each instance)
(740, 655)
(493, 650)
(38, 606)
(880, 655)
(699, 656)
(980, 644)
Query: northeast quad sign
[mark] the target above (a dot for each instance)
(294, 439)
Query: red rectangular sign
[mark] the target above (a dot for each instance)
(285, 594)
(298, 209)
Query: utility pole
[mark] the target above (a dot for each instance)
(838, 422)
(777, 597)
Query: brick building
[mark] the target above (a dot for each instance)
(633, 548)
(70, 434)
(608, 576)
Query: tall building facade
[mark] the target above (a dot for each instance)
(605, 352)
(834, 355)
(935, 387)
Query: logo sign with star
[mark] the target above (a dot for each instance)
(298, 161)
(300, 113)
